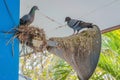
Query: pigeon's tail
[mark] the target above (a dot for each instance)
(90, 26)
(22, 22)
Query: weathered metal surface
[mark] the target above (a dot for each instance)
(80, 51)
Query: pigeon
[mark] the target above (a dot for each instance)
(28, 18)
(77, 25)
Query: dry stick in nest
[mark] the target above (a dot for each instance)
(11, 31)
(80, 51)
(32, 37)
(29, 36)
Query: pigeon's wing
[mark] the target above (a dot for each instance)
(25, 19)
(86, 25)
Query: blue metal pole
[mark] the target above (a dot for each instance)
(9, 18)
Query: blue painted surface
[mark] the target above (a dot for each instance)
(9, 65)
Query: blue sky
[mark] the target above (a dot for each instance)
(104, 13)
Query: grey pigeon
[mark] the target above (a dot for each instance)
(77, 25)
(28, 18)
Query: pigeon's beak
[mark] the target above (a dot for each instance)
(65, 20)
(37, 8)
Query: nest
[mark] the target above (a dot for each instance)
(32, 37)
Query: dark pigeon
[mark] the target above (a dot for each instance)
(77, 25)
(28, 18)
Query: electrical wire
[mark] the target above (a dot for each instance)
(9, 12)
(85, 15)
(52, 20)
(101, 7)
(95, 10)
